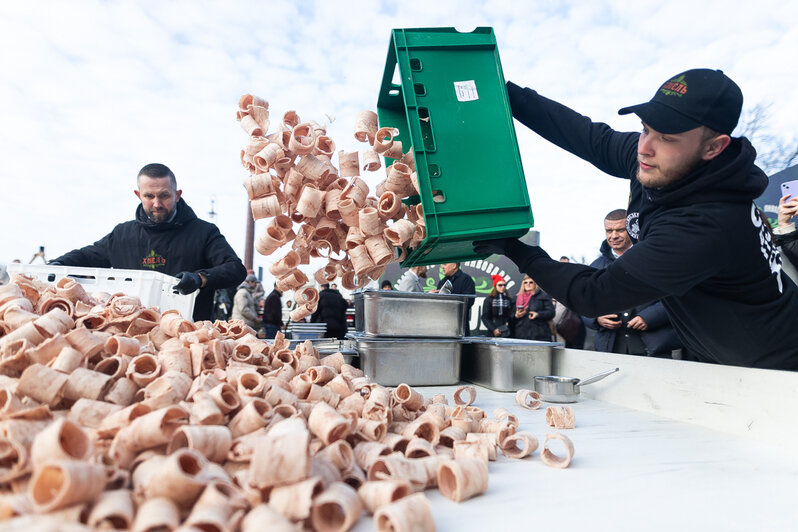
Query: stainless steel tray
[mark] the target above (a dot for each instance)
(413, 361)
(328, 346)
(305, 331)
(506, 364)
(389, 313)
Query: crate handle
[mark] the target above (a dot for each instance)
(425, 124)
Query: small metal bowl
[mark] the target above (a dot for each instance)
(553, 389)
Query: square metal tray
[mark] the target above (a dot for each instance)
(390, 313)
(506, 364)
(413, 361)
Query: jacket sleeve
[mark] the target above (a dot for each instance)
(547, 311)
(226, 268)
(610, 151)
(591, 323)
(468, 288)
(585, 290)
(92, 256)
(655, 316)
(487, 319)
(788, 242)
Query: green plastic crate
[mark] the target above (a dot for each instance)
(452, 108)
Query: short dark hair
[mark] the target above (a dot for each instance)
(157, 170)
(617, 214)
(325, 286)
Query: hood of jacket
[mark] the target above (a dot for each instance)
(185, 214)
(731, 177)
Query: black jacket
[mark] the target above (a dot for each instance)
(789, 246)
(493, 317)
(704, 249)
(537, 329)
(659, 336)
(184, 244)
(332, 311)
(273, 309)
(462, 283)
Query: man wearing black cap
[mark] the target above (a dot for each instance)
(704, 248)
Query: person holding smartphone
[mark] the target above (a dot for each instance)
(533, 311)
(784, 234)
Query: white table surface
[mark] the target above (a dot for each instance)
(632, 470)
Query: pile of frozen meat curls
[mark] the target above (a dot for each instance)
(118, 416)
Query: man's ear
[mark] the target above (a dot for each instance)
(715, 147)
(138, 194)
(177, 195)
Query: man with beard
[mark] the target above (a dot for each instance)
(704, 248)
(167, 237)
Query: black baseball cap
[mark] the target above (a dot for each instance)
(698, 97)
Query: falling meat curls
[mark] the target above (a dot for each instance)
(293, 178)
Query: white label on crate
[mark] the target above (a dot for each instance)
(466, 91)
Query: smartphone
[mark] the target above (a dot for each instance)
(790, 187)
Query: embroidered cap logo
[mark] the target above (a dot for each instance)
(675, 87)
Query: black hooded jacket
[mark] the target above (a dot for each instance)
(332, 311)
(184, 244)
(704, 249)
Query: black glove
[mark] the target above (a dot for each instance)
(489, 247)
(189, 282)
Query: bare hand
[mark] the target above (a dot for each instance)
(609, 321)
(787, 209)
(533, 315)
(519, 312)
(497, 332)
(637, 323)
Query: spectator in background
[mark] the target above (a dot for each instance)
(641, 330)
(784, 233)
(462, 283)
(332, 311)
(533, 310)
(273, 313)
(244, 306)
(497, 309)
(260, 292)
(411, 281)
(223, 303)
(562, 316)
(386, 285)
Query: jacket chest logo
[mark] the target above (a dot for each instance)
(153, 260)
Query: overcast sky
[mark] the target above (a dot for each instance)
(91, 91)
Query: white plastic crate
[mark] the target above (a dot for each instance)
(154, 289)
